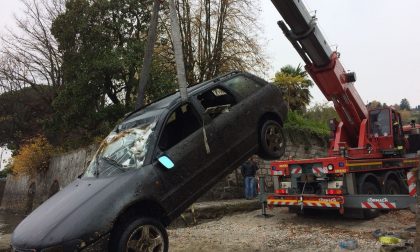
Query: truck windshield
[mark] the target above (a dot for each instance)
(122, 150)
(380, 122)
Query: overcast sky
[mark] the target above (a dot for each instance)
(378, 39)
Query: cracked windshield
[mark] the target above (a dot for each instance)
(122, 150)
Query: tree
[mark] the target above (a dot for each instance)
(375, 104)
(322, 113)
(103, 46)
(295, 83)
(29, 55)
(22, 115)
(404, 104)
(5, 172)
(217, 36)
(30, 72)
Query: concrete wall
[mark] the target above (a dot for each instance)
(22, 194)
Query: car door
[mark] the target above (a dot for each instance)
(182, 140)
(225, 133)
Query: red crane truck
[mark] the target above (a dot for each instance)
(370, 164)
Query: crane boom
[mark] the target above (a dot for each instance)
(326, 70)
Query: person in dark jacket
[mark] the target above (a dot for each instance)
(248, 170)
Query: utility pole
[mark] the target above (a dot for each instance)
(1, 158)
(148, 54)
(179, 56)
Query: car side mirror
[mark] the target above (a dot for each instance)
(166, 162)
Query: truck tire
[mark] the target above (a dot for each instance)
(272, 140)
(392, 187)
(142, 234)
(370, 188)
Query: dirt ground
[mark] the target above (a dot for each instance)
(321, 231)
(283, 231)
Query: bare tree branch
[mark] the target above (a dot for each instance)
(30, 54)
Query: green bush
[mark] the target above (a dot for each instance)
(297, 122)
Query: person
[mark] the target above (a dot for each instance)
(248, 170)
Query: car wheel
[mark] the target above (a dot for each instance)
(272, 140)
(143, 234)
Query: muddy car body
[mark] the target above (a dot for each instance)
(155, 164)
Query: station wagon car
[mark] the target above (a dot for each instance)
(155, 164)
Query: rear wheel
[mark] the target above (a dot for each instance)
(272, 140)
(143, 234)
(370, 188)
(392, 187)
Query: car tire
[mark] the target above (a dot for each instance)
(143, 234)
(272, 140)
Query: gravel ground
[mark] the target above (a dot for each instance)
(321, 231)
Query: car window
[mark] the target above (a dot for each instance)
(216, 101)
(242, 85)
(181, 123)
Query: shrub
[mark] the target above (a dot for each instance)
(298, 123)
(33, 157)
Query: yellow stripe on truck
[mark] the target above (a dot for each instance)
(410, 161)
(364, 164)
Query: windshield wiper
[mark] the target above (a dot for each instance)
(113, 162)
(96, 171)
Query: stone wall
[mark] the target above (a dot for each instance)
(15, 196)
(298, 146)
(22, 194)
(2, 186)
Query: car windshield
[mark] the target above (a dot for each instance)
(122, 150)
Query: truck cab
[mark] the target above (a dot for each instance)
(385, 131)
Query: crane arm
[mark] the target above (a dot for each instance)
(323, 66)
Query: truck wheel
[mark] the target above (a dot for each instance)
(392, 187)
(272, 140)
(143, 234)
(370, 188)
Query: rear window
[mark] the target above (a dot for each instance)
(242, 85)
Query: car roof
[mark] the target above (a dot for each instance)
(173, 99)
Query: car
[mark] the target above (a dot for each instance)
(155, 164)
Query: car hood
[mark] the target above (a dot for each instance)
(83, 210)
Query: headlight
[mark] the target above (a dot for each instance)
(330, 167)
